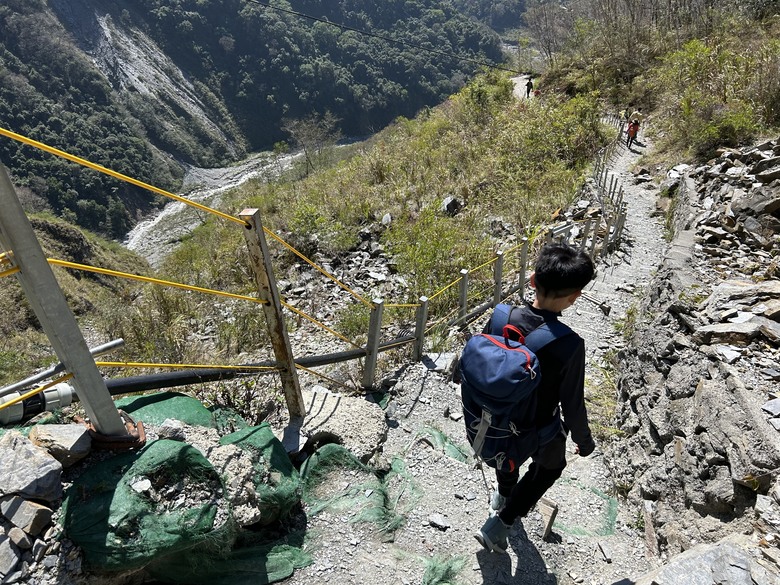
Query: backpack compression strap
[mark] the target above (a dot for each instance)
(479, 439)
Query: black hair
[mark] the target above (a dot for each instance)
(562, 270)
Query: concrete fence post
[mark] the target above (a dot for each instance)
(463, 294)
(498, 278)
(50, 307)
(260, 261)
(372, 345)
(421, 320)
(586, 233)
(610, 223)
(523, 266)
(595, 237)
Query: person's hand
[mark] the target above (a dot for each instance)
(585, 450)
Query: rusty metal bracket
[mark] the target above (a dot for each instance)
(134, 439)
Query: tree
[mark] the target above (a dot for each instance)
(549, 23)
(314, 135)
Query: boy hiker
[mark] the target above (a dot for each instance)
(528, 87)
(560, 274)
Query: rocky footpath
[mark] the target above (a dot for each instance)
(699, 452)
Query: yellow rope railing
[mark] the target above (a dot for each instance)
(488, 263)
(319, 324)
(116, 175)
(10, 271)
(449, 286)
(317, 267)
(402, 305)
(151, 280)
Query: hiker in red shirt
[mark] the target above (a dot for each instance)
(631, 132)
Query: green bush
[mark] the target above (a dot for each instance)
(705, 101)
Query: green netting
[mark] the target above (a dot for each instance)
(380, 398)
(24, 427)
(252, 562)
(439, 440)
(155, 408)
(442, 570)
(227, 420)
(257, 556)
(373, 495)
(276, 481)
(119, 528)
(23, 430)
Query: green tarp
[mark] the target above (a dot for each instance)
(119, 527)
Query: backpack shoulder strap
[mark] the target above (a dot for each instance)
(546, 333)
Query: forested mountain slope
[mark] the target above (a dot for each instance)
(141, 85)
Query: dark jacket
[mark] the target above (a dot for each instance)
(562, 363)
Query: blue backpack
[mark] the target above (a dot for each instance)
(499, 377)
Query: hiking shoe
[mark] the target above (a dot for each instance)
(497, 503)
(493, 535)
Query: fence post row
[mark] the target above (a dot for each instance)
(50, 307)
(260, 261)
(70, 346)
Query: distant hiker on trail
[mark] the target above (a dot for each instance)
(636, 117)
(631, 132)
(560, 274)
(528, 88)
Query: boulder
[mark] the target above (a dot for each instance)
(732, 560)
(355, 423)
(27, 470)
(68, 444)
(29, 516)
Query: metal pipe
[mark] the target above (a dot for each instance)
(57, 368)
(187, 377)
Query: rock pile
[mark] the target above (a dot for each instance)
(36, 472)
(698, 394)
(28, 476)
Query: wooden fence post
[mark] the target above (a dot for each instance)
(260, 261)
(50, 307)
(421, 321)
(372, 345)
